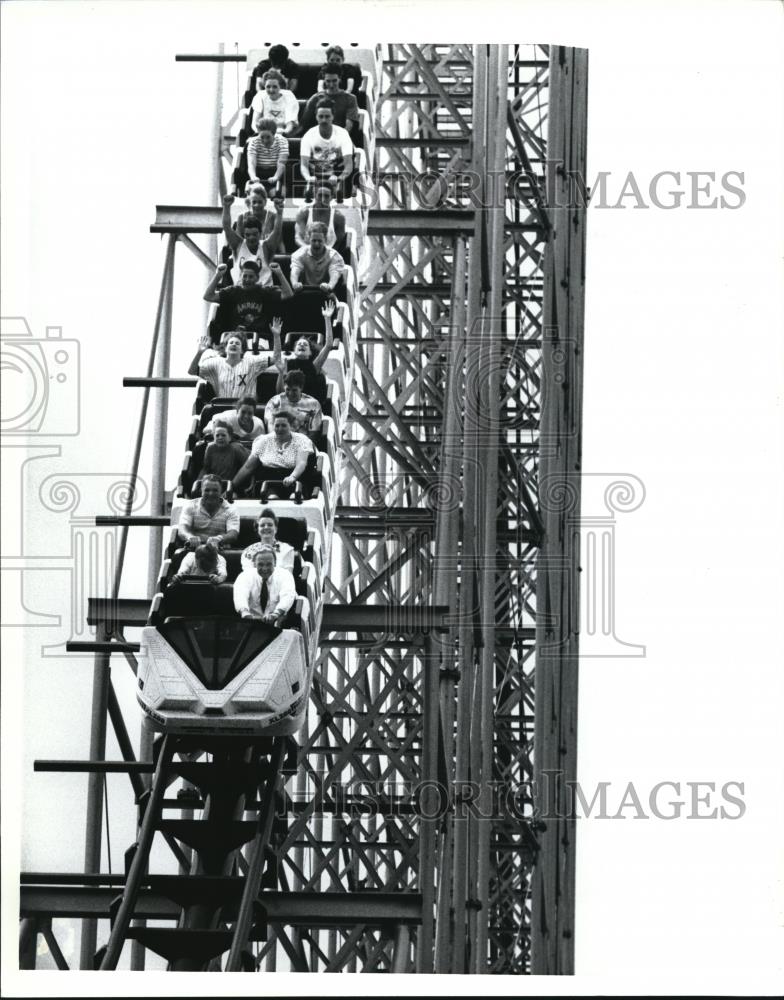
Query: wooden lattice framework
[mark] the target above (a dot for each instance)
(398, 717)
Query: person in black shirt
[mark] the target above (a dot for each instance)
(305, 358)
(278, 58)
(350, 75)
(247, 304)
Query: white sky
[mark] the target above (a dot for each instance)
(683, 378)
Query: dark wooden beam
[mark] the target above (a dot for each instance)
(301, 908)
(217, 57)
(402, 222)
(186, 219)
(337, 617)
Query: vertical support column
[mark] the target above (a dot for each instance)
(471, 542)
(297, 880)
(494, 334)
(400, 952)
(160, 425)
(555, 763)
(428, 826)
(146, 736)
(217, 181)
(95, 780)
(28, 942)
(439, 653)
(158, 486)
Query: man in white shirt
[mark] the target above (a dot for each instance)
(326, 152)
(266, 592)
(209, 519)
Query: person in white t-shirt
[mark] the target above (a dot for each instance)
(326, 153)
(274, 101)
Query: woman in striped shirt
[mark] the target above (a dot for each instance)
(268, 153)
